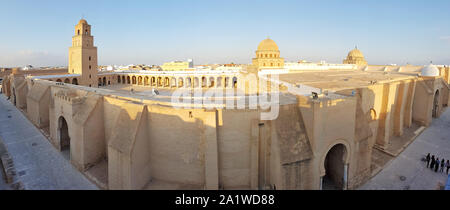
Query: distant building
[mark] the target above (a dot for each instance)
(301, 66)
(28, 67)
(178, 65)
(228, 67)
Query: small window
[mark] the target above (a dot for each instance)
(78, 32)
(86, 31)
(89, 57)
(89, 76)
(90, 67)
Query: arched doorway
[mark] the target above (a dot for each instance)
(173, 82)
(234, 82)
(196, 82)
(166, 82)
(188, 82)
(219, 81)
(104, 81)
(211, 82)
(64, 138)
(335, 168)
(204, 81)
(67, 81)
(75, 81)
(436, 104)
(180, 82)
(227, 81)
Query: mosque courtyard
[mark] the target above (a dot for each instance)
(407, 171)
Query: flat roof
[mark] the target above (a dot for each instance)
(340, 80)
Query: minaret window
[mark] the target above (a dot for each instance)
(86, 32)
(78, 32)
(89, 67)
(89, 57)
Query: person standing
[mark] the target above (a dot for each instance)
(432, 162)
(436, 165)
(448, 165)
(442, 165)
(428, 160)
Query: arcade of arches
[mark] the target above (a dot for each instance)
(171, 82)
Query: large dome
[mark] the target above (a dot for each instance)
(355, 53)
(268, 45)
(430, 71)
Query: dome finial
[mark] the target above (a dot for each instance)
(356, 46)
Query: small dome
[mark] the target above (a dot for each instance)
(82, 21)
(267, 45)
(430, 71)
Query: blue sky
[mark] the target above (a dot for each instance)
(212, 31)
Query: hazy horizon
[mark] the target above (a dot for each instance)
(153, 32)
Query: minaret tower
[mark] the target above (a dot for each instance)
(83, 55)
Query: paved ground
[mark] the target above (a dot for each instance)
(38, 164)
(408, 165)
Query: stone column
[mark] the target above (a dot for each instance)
(345, 176)
(321, 183)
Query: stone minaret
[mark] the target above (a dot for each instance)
(83, 55)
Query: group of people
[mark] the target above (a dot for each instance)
(436, 164)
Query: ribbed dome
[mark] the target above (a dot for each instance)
(430, 71)
(267, 45)
(82, 21)
(355, 54)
